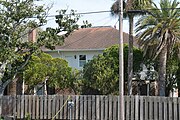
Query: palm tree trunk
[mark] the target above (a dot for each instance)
(130, 54)
(162, 71)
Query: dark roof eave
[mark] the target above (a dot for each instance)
(66, 50)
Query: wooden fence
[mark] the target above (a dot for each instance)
(89, 107)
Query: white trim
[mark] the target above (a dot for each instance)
(79, 60)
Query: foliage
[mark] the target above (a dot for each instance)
(158, 33)
(28, 116)
(56, 71)
(173, 67)
(101, 73)
(18, 17)
(159, 29)
(178, 78)
(131, 7)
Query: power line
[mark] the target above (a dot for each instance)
(83, 13)
(108, 11)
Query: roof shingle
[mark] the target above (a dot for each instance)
(92, 38)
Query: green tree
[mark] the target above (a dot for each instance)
(16, 17)
(131, 8)
(173, 65)
(158, 33)
(55, 71)
(101, 73)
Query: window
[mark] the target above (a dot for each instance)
(82, 60)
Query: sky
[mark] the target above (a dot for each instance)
(82, 6)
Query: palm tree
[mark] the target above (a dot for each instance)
(130, 7)
(158, 32)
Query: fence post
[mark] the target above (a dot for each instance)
(0, 105)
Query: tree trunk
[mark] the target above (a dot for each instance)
(3, 86)
(1, 90)
(2, 71)
(162, 71)
(130, 54)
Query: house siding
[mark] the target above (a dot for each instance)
(74, 55)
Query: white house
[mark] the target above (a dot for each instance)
(85, 43)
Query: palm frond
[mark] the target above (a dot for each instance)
(160, 28)
(115, 8)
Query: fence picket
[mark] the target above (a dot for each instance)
(26, 113)
(60, 107)
(136, 107)
(97, 107)
(179, 109)
(53, 111)
(81, 103)
(33, 107)
(14, 107)
(170, 113)
(160, 108)
(18, 106)
(49, 100)
(110, 108)
(132, 107)
(93, 107)
(85, 107)
(45, 107)
(165, 108)
(115, 107)
(102, 107)
(156, 108)
(22, 106)
(56, 107)
(41, 103)
(175, 108)
(10, 108)
(5, 107)
(1, 97)
(29, 97)
(65, 108)
(150, 108)
(89, 103)
(146, 107)
(127, 102)
(106, 107)
(141, 108)
(77, 106)
(37, 107)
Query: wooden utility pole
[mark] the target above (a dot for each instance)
(121, 63)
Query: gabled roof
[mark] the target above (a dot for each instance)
(92, 38)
